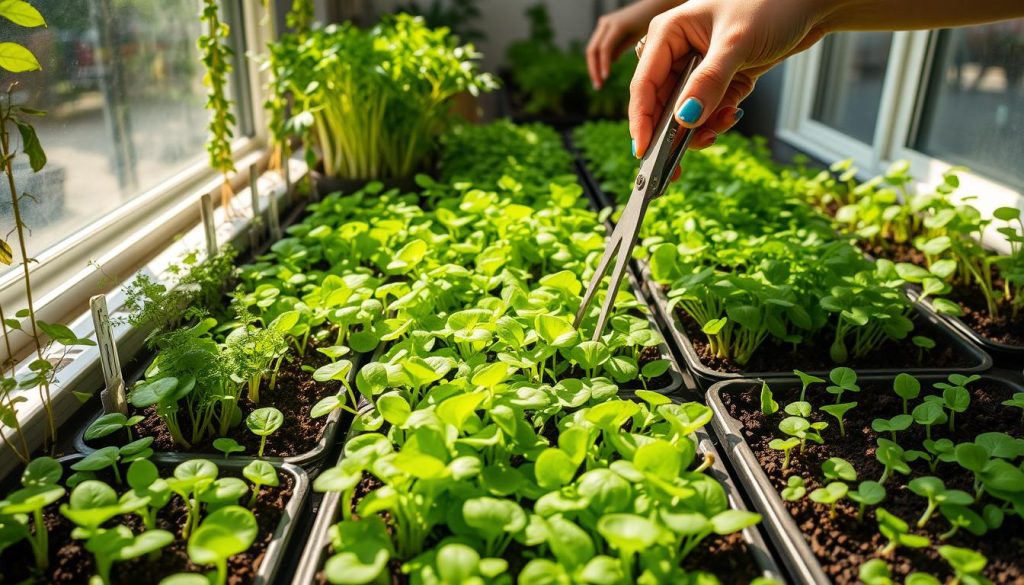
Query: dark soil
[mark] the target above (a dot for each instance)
(71, 564)
(842, 544)
(976, 316)
(294, 395)
(777, 357)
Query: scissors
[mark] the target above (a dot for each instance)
(672, 140)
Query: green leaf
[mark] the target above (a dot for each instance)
(554, 468)
(21, 13)
(261, 473)
(731, 521)
(628, 533)
(714, 326)
(264, 421)
(837, 468)
(768, 404)
(29, 141)
(42, 471)
(457, 409)
(17, 59)
(224, 533)
(394, 408)
(107, 424)
(491, 517)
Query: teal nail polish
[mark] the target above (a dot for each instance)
(739, 115)
(691, 111)
(633, 143)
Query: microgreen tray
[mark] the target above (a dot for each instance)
(978, 359)
(283, 533)
(316, 551)
(781, 527)
(312, 460)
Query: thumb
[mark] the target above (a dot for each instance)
(707, 85)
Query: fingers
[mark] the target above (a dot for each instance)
(594, 53)
(723, 120)
(708, 84)
(665, 45)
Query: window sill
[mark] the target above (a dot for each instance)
(80, 375)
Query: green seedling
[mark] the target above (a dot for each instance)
(928, 414)
(99, 460)
(108, 424)
(955, 397)
(144, 479)
(786, 446)
(976, 459)
(907, 388)
(837, 469)
(843, 380)
(893, 457)
(227, 446)
(769, 406)
(795, 488)
(968, 565)
(263, 422)
(805, 381)
(1017, 402)
(120, 544)
(919, 578)
(260, 473)
(361, 551)
(940, 451)
(962, 517)
(190, 481)
(900, 422)
(839, 411)
(830, 495)
(923, 344)
(898, 532)
(935, 491)
(227, 532)
(39, 490)
(868, 493)
(875, 572)
(802, 429)
(223, 492)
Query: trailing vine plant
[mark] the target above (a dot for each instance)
(215, 53)
(15, 58)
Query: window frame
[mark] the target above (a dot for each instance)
(910, 58)
(66, 274)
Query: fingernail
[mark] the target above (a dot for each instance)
(714, 137)
(633, 142)
(691, 111)
(739, 115)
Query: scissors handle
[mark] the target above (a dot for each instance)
(661, 158)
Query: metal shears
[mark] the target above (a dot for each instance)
(671, 140)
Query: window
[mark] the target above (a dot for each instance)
(122, 87)
(973, 109)
(850, 79)
(936, 98)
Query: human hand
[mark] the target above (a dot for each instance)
(739, 39)
(617, 31)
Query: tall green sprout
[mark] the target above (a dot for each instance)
(375, 99)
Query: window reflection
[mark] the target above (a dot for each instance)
(973, 111)
(122, 87)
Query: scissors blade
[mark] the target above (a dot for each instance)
(671, 141)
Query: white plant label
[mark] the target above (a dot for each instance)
(210, 229)
(113, 397)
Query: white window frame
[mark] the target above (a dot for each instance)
(67, 273)
(910, 59)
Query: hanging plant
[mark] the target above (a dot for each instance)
(216, 54)
(15, 58)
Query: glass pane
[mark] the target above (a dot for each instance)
(973, 111)
(850, 81)
(122, 87)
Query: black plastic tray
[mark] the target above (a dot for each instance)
(312, 461)
(284, 532)
(316, 552)
(706, 377)
(1003, 353)
(780, 526)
